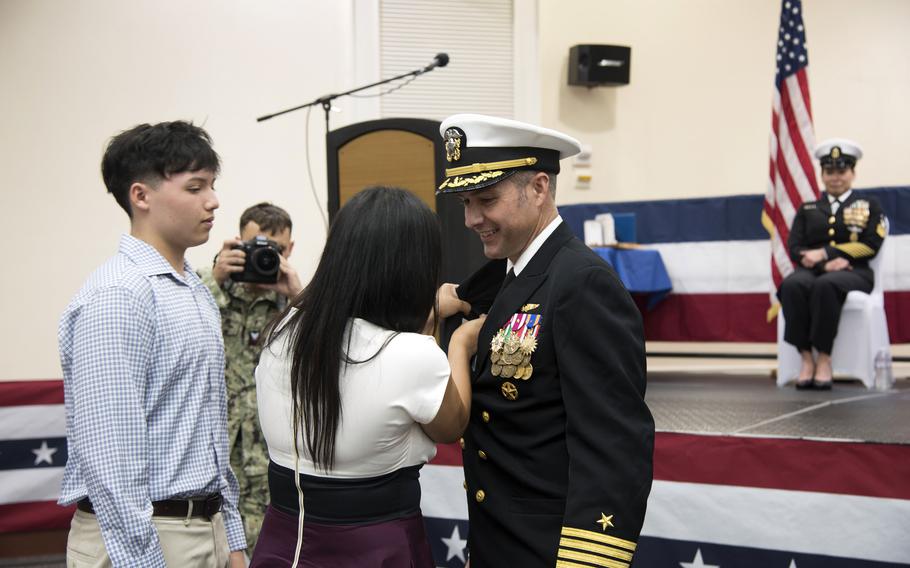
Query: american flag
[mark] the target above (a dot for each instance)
(792, 175)
(33, 452)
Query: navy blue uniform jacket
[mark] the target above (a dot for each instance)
(562, 472)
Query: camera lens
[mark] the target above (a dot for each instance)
(265, 261)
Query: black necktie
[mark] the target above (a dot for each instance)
(508, 280)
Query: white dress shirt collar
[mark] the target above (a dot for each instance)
(532, 249)
(843, 197)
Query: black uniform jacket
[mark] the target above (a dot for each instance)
(855, 232)
(559, 464)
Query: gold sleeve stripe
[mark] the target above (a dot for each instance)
(567, 564)
(856, 250)
(596, 548)
(591, 559)
(598, 537)
(488, 166)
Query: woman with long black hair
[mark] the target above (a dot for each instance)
(353, 394)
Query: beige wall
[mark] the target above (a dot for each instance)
(75, 73)
(696, 117)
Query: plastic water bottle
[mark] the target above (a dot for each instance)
(884, 378)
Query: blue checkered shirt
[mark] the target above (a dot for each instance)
(146, 409)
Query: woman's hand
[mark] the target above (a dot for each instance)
(465, 337)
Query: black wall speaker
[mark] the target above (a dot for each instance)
(592, 65)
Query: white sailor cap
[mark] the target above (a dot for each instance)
(838, 153)
(484, 150)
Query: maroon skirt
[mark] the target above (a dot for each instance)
(396, 543)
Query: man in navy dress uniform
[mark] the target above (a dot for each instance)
(831, 242)
(558, 450)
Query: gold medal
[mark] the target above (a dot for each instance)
(497, 342)
(854, 237)
(509, 390)
(496, 369)
(495, 356)
(529, 368)
(512, 344)
(526, 360)
(508, 371)
(518, 373)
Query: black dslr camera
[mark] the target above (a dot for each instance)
(263, 259)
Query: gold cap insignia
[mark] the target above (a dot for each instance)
(835, 152)
(453, 144)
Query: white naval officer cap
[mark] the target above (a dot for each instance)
(484, 150)
(838, 153)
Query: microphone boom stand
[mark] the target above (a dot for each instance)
(326, 100)
(441, 60)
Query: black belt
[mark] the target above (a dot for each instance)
(333, 501)
(204, 507)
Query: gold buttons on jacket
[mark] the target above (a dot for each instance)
(480, 496)
(461, 442)
(831, 232)
(833, 243)
(485, 416)
(831, 220)
(465, 484)
(482, 454)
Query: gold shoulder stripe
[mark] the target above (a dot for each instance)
(598, 537)
(856, 250)
(591, 559)
(485, 167)
(596, 548)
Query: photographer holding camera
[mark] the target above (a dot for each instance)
(251, 281)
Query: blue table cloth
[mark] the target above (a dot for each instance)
(642, 271)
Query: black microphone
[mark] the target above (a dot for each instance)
(441, 60)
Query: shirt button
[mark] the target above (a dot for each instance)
(461, 442)
(480, 496)
(485, 415)
(482, 454)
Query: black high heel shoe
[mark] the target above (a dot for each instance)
(822, 385)
(804, 385)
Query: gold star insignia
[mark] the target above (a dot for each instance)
(605, 521)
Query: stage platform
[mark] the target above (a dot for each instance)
(746, 474)
(750, 404)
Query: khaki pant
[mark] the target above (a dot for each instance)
(193, 543)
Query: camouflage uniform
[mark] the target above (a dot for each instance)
(243, 317)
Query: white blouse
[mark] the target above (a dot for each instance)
(383, 403)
